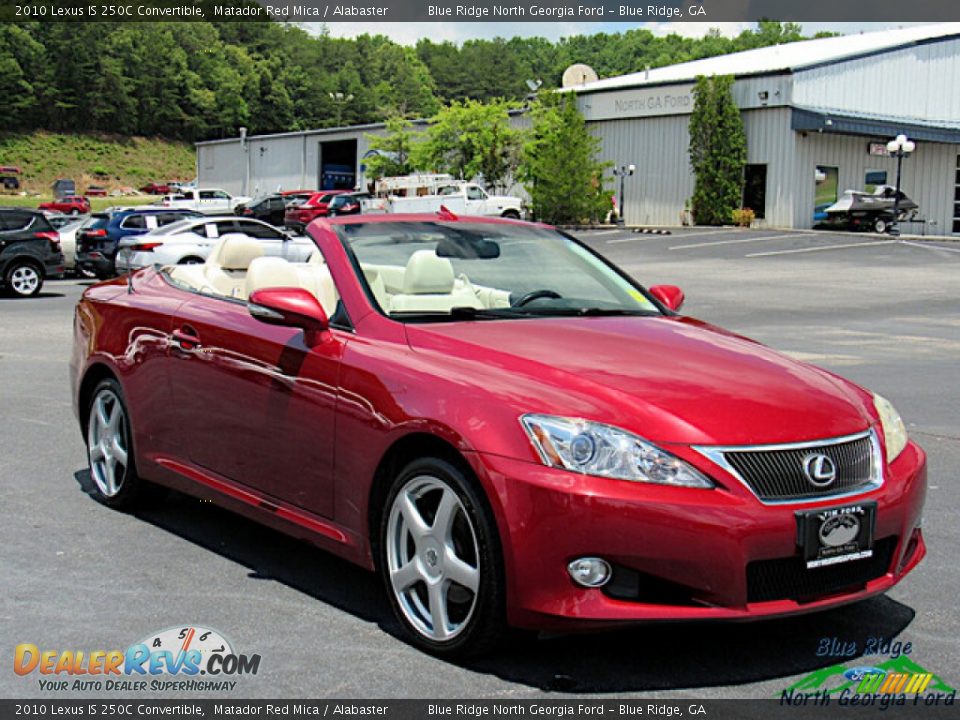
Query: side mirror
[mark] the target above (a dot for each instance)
(669, 295)
(289, 307)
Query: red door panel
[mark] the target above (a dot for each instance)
(256, 405)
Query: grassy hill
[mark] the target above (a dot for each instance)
(109, 161)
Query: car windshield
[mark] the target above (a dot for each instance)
(431, 271)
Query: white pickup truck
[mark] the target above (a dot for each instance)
(209, 201)
(459, 198)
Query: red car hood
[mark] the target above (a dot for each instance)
(668, 379)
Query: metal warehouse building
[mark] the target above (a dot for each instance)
(817, 116)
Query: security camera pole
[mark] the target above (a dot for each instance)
(899, 147)
(622, 172)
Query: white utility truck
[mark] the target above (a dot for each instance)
(209, 201)
(427, 193)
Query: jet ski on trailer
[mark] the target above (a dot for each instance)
(861, 210)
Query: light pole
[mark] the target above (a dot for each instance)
(622, 172)
(339, 99)
(899, 147)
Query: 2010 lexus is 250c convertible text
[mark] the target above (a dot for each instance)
(502, 424)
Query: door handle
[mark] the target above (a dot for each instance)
(186, 338)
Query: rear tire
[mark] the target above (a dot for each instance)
(24, 278)
(880, 225)
(440, 560)
(110, 454)
(511, 214)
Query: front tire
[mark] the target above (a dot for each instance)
(110, 448)
(511, 214)
(23, 278)
(440, 560)
(880, 225)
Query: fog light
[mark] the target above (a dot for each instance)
(590, 572)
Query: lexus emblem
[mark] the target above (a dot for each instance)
(819, 469)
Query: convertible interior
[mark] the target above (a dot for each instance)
(237, 267)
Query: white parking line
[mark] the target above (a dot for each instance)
(818, 249)
(930, 247)
(732, 242)
(601, 233)
(643, 236)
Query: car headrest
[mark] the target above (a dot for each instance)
(427, 274)
(236, 252)
(268, 272)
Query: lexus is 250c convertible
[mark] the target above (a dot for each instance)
(506, 427)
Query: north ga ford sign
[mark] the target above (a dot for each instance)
(638, 102)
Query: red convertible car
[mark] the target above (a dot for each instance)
(505, 426)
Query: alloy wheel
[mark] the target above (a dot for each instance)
(25, 280)
(433, 558)
(107, 443)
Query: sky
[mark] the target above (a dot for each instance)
(409, 33)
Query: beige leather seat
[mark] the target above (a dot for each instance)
(225, 270)
(429, 284)
(269, 272)
(315, 277)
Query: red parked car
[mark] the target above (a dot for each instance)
(505, 426)
(153, 188)
(68, 205)
(300, 214)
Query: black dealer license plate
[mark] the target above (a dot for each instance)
(836, 535)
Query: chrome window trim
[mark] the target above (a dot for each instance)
(716, 454)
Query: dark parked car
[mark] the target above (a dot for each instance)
(9, 177)
(348, 204)
(97, 242)
(301, 214)
(271, 208)
(29, 251)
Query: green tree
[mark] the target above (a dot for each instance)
(559, 165)
(471, 138)
(718, 151)
(392, 150)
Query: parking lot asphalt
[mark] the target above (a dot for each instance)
(77, 575)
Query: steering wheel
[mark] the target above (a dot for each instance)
(536, 295)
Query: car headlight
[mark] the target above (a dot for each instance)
(596, 449)
(894, 431)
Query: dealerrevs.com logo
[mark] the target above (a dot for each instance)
(185, 658)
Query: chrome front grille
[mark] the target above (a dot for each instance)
(781, 473)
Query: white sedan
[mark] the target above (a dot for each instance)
(190, 241)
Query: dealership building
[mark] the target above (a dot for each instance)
(817, 116)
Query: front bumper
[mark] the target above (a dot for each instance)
(689, 551)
